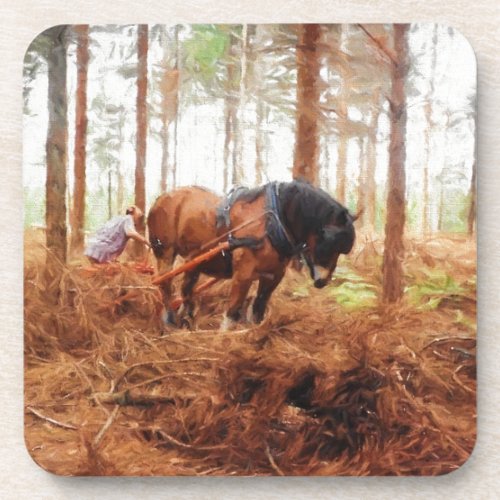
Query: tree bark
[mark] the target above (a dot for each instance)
(141, 120)
(393, 248)
(371, 164)
(429, 128)
(363, 160)
(230, 117)
(78, 212)
(56, 151)
(176, 107)
(259, 143)
(305, 165)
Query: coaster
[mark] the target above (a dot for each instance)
(250, 249)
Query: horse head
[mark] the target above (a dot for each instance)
(333, 237)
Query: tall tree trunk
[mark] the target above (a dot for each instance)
(340, 191)
(239, 174)
(371, 164)
(141, 116)
(363, 161)
(441, 207)
(169, 89)
(227, 141)
(259, 143)
(176, 101)
(471, 216)
(428, 130)
(230, 115)
(394, 228)
(342, 121)
(305, 165)
(78, 212)
(56, 151)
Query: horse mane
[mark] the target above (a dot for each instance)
(250, 194)
(315, 206)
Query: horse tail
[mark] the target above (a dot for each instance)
(156, 228)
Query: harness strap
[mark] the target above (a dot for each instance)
(280, 237)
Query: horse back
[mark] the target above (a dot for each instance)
(183, 219)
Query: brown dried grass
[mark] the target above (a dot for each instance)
(312, 390)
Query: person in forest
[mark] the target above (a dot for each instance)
(110, 241)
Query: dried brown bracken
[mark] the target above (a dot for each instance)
(314, 389)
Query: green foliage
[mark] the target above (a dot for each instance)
(204, 51)
(431, 286)
(351, 290)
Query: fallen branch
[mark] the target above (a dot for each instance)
(171, 439)
(106, 426)
(274, 465)
(51, 420)
(159, 362)
(126, 398)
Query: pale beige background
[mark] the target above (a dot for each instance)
(22, 20)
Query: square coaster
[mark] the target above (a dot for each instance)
(250, 249)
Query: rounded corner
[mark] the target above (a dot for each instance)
(39, 35)
(33, 458)
(467, 460)
(465, 41)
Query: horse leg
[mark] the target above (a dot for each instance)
(264, 292)
(164, 264)
(187, 308)
(240, 284)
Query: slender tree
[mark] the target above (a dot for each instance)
(230, 113)
(305, 164)
(56, 151)
(428, 130)
(396, 182)
(169, 90)
(371, 164)
(175, 104)
(141, 118)
(78, 212)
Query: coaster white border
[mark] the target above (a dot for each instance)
(23, 20)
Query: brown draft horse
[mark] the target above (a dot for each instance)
(282, 220)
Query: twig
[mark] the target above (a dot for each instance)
(459, 382)
(274, 465)
(106, 426)
(51, 420)
(159, 362)
(447, 339)
(172, 440)
(125, 398)
(379, 45)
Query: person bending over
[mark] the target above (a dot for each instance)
(110, 241)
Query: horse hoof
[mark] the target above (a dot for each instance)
(169, 318)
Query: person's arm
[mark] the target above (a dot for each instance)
(137, 237)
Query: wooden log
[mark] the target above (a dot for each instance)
(192, 264)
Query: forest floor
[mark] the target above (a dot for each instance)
(331, 383)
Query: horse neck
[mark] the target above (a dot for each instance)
(299, 211)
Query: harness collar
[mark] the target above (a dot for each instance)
(280, 237)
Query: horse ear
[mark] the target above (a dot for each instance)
(358, 214)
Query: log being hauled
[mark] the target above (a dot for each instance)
(192, 264)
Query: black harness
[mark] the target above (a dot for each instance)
(276, 231)
(280, 238)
